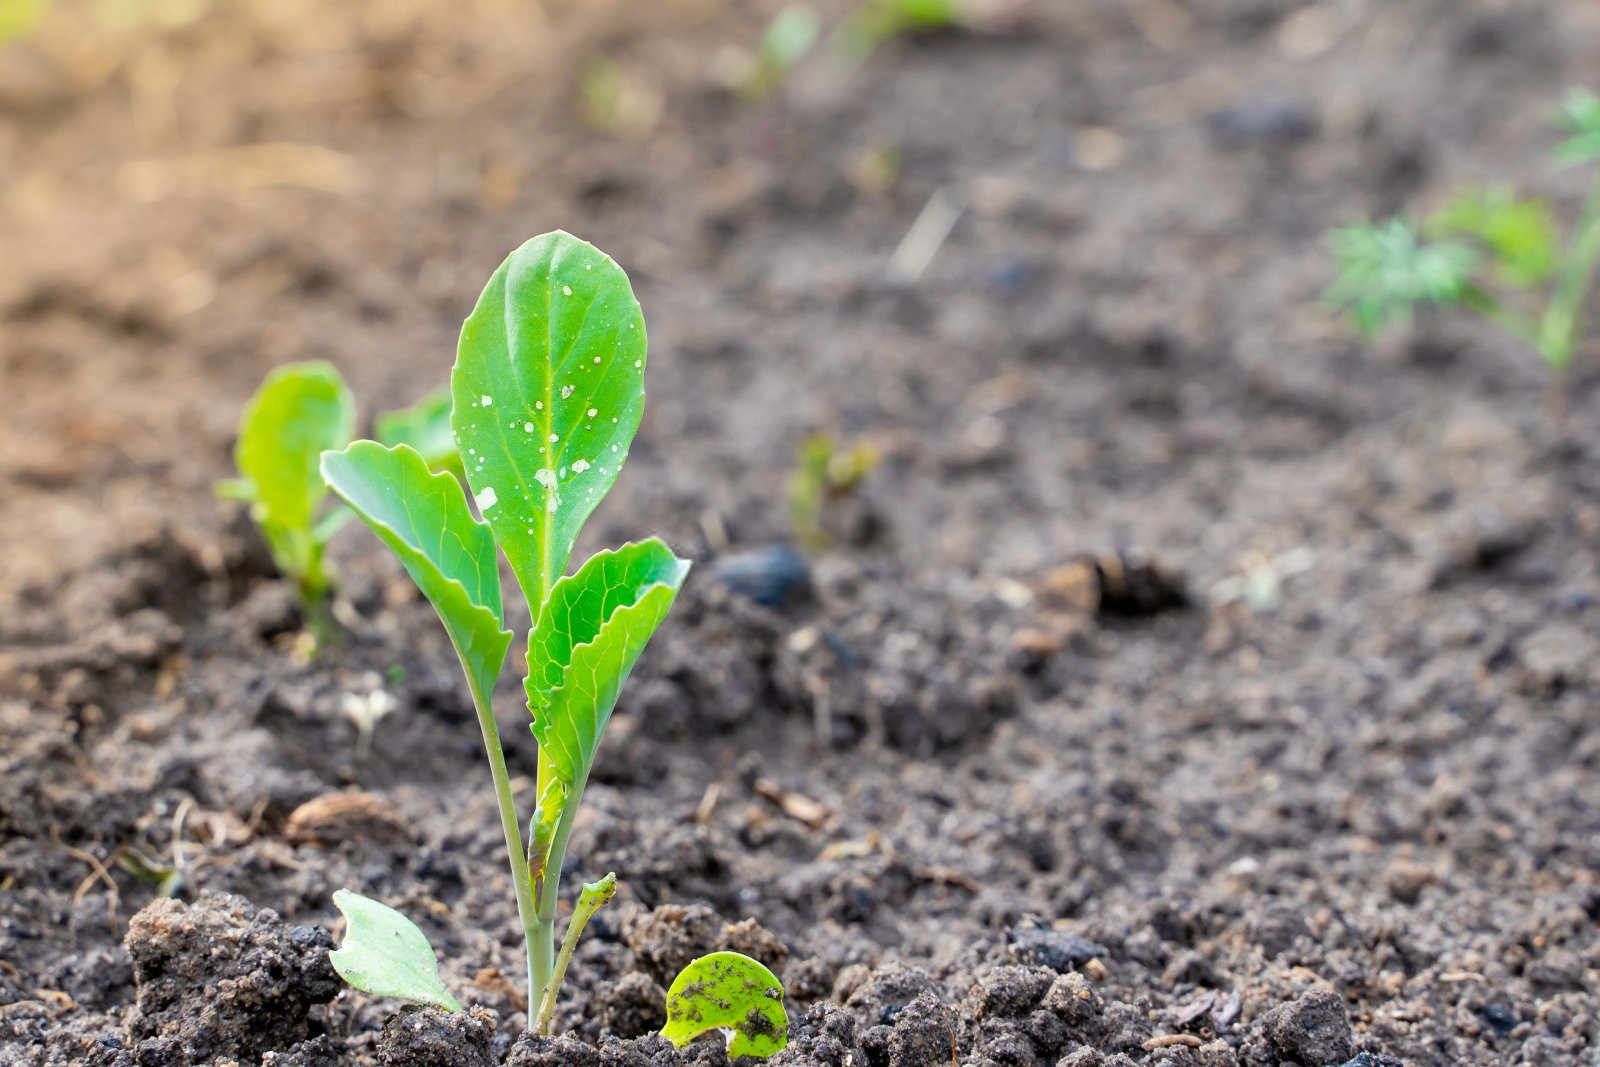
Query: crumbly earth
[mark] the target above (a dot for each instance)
(984, 787)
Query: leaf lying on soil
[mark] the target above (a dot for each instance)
(728, 991)
(385, 954)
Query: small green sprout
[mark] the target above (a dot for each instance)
(1489, 251)
(825, 471)
(730, 992)
(547, 392)
(300, 411)
(789, 37)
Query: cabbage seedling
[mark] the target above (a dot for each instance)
(301, 410)
(1488, 251)
(546, 393)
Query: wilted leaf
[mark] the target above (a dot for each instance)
(728, 991)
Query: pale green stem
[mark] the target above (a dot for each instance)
(1558, 331)
(595, 896)
(538, 968)
(544, 925)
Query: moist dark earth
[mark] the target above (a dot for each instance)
(1188, 684)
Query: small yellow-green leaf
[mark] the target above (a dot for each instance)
(728, 991)
(423, 517)
(386, 955)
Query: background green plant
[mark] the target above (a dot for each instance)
(1487, 250)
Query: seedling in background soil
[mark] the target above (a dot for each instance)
(1489, 251)
(301, 410)
(547, 392)
(825, 471)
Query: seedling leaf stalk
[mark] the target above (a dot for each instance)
(547, 392)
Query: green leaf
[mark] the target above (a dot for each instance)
(423, 517)
(1385, 269)
(727, 990)
(588, 635)
(386, 955)
(1521, 233)
(548, 387)
(299, 411)
(425, 426)
(1580, 114)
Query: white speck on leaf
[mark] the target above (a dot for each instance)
(486, 499)
(486, 400)
(579, 466)
(566, 391)
(593, 412)
(527, 427)
(538, 405)
(545, 477)
(554, 438)
(566, 290)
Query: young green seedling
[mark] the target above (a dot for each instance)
(1488, 251)
(300, 411)
(547, 393)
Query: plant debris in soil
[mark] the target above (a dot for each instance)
(1187, 686)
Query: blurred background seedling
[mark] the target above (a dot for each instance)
(826, 471)
(1489, 251)
(788, 39)
(425, 426)
(300, 410)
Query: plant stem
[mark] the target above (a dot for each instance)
(1559, 328)
(538, 966)
(545, 922)
(595, 896)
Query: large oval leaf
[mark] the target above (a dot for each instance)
(423, 517)
(728, 991)
(548, 388)
(591, 630)
(385, 954)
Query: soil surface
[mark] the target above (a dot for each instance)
(1188, 684)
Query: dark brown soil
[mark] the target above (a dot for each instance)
(1189, 684)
